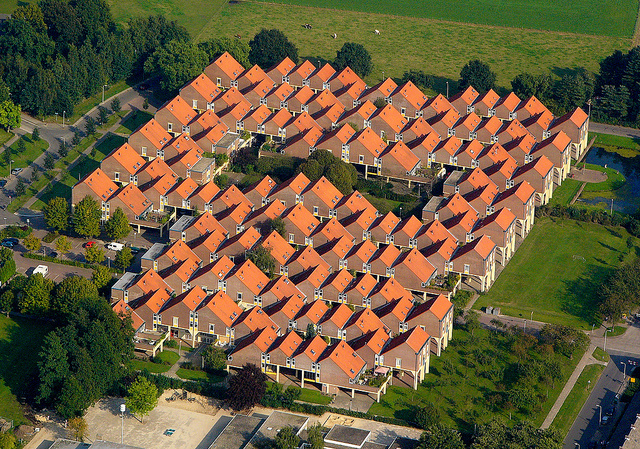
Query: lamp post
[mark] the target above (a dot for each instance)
(624, 372)
(577, 445)
(605, 339)
(63, 113)
(123, 408)
(592, 326)
(447, 90)
(103, 86)
(108, 262)
(28, 222)
(531, 315)
(56, 118)
(525, 326)
(400, 212)
(10, 162)
(600, 407)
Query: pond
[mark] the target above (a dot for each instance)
(627, 198)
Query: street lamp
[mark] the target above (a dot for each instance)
(532, 315)
(605, 339)
(63, 113)
(108, 262)
(624, 372)
(447, 90)
(103, 86)
(10, 162)
(600, 407)
(525, 326)
(56, 118)
(123, 408)
(592, 327)
(27, 222)
(578, 445)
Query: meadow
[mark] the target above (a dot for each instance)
(555, 275)
(573, 16)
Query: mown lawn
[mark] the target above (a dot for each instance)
(5, 136)
(583, 16)
(576, 399)
(557, 272)
(133, 121)
(468, 381)
(157, 368)
(20, 342)
(615, 180)
(169, 357)
(22, 159)
(563, 194)
(313, 396)
(624, 146)
(191, 374)
(599, 354)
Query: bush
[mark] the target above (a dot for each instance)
(50, 237)
(18, 232)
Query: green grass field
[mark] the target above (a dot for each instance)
(577, 16)
(5, 136)
(192, 374)
(19, 347)
(624, 146)
(577, 397)
(556, 275)
(599, 354)
(615, 180)
(464, 390)
(156, 368)
(23, 159)
(313, 396)
(169, 357)
(133, 121)
(563, 194)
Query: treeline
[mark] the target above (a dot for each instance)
(57, 52)
(620, 293)
(630, 222)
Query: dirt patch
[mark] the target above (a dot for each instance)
(587, 175)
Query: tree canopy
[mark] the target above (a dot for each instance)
(235, 47)
(354, 56)
(269, 47)
(477, 74)
(246, 387)
(176, 63)
(86, 217)
(142, 397)
(117, 226)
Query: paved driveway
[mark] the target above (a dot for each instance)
(57, 272)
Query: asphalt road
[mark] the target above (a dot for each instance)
(586, 427)
(614, 130)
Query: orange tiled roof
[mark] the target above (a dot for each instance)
(333, 229)
(469, 121)
(158, 168)
(155, 133)
(346, 359)
(325, 73)
(420, 127)
(384, 88)
(154, 301)
(451, 145)
(303, 95)
(510, 102)
(184, 144)
(391, 289)
(229, 65)
(288, 343)
(338, 315)
(289, 306)
(392, 117)
(314, 311)
(413, 95)
(435, 231)
(134, 199)
(255, 75)
(340, 280)
(488, 99)
(180, 110)
(281, 117)
(206, 223)
(223, 307)
(185, 188)
(100, 184)
(279, 247)
(402, 155)
(415, 338)
(304, 122)
(221, 267)
(313, 348)
(365, 321)
(363, 285)
(387, 254)
(180, 251)
(308, 257)
(123, 309)
(127, 157)
(283, 91)
(301, 218)
(207, 192)
(473, 148)
(409, 226)
(560, 141)
(503, 218)
(283, 67)
(282, 288)
(204, 86)
(348, 77)
(326, 192)
(438, 306)
(192, 298)
(260, 114)
(325, 99)
(304, 69)
(251, 276)
(371, 142)
(468, 96)
(151, 281)
(208, 119)
(211, 241)
(439, 104)
(417, 264)
(232, 195)
(399, 308)
(491, 124)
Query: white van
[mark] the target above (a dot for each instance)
(42, 269)
(115, 246)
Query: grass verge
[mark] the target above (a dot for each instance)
(625, 146)
(155, 368)
(556, 275)
(617, 331)
(133, 121)
(5, 136)
(564, 193)
(313, 396)
(576, 399)
(191, 374)
(169, 357)
(599, 354)
(22, 159)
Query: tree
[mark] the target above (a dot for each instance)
(314, 436)
(311, 331)
(48, 161)
(246, 387)
(70, 293)
(312, 169)
(34, 300)
(142, 397)
(523, 435)
(419, 78)
(76, 138)
(124, 257)
(573, 90)
(472, 321)
(236, 48)
(94, 254)
(269, 47)
(7, 264)
(21, 144)
(343, 176)
(7, 440)
(176, 63)
(86, 217)
(79, 428)
(263, 259)
(10, 115)
(117, 226)
(20, 187)
(276, 224)
(63, 244)
(6, 301)
(614, 101)
(354, 56)
(427, 416)
(35, 135)
(526, 85)
(215, 359)
(103, 114)
(477, 74)
(101, 276)
(32, 243)
(145, 104)
(63, 150)
(56, 213)
(441, 437)
(286, 438)
(90, 126)
(115, 105)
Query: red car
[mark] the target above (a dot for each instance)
(89, 244)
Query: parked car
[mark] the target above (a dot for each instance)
(53, 254)
(89, 244)
(41, 269)
(7, 244)
(611, 410)
(115, 246)
(15, 171)
(605, 420)
(3, 182)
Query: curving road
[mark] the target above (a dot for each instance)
(623, 131)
